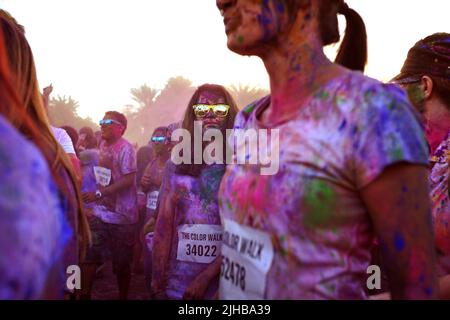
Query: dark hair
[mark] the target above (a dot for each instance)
(162, 128)
(429, 57)
(188, 124)
(119, 117)
(352, 53)
(73, 134)
(90, 140)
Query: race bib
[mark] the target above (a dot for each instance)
(199, 243)
(247, 255)
(152, 200)
(102, 176)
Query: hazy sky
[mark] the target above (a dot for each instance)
(97, 50)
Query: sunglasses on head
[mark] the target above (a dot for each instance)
(109, 122)
(158, 139)
(219, 110)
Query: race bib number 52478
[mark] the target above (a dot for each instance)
(247, 255)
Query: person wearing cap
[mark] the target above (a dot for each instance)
(426, 78)
(116, 199)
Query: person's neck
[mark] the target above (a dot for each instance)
(296, 69)
(438, 125)
(162, 159)
(112, 141)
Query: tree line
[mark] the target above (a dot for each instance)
(150, 107)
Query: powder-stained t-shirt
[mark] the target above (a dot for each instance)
(120, 159)
(64, 140)
(305, 231)
(196, 215)
(440, 203)
(33, 228)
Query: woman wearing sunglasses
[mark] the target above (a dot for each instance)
(187, 235)
(353, 164)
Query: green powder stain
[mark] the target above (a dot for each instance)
(323, 95)
(340, 100)
(229, 206)
(249, 109)
(417, 96)
(240, 39)
(319, 199)
(397, 154)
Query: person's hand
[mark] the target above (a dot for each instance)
(48, 90)
(196, 289)
(89, 213)
(145, 181)
(156, 292)
(89, 197)
(141, 200)
(46, 95)
(382, 296)
(159, 296)
(150, 225)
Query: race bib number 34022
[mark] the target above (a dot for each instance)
(247, 255)
(199, 243)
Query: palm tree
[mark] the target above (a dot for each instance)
(144, 95)
(63, 111)
(245, 94)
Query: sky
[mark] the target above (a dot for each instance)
(97, 50)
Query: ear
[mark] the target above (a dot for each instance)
(427, 85)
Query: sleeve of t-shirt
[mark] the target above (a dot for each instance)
(64, 140)
(33, 229)
(387, 131)
(128, 160)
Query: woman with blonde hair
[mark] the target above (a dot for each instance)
(37, 129)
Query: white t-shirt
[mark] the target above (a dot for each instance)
(64, 139)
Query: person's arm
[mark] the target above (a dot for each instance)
(124, 183)
(399, 206)
(162, 240)
(145, 181)
(444, 284)
(197, 288)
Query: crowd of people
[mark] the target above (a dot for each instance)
(363, 175)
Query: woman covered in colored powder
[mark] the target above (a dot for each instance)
(188, 232)
(426, 77)
(352, 165)
(33, 229)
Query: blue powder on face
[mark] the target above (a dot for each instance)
(266, 19)
(399, 242)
